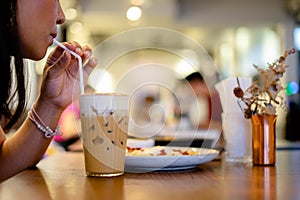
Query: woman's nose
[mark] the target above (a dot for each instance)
(61, 18)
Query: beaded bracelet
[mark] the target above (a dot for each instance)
(48, 132)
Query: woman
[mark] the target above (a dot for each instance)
(28, 28)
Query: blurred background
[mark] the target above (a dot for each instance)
(236, 34)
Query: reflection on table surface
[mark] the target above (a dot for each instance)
(61, 176)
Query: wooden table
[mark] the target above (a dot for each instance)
(61, 176)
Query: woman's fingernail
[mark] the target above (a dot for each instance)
(93, 61)
(88, 54)
(78, 51)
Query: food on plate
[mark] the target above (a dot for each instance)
(160, 151)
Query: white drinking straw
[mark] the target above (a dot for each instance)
(79, 63)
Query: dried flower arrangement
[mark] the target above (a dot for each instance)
(264, 98)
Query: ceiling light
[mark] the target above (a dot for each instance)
(134, 13)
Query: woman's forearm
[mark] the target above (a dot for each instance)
(27, 146)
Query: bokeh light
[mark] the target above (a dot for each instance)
(292, 88)
(134, 13)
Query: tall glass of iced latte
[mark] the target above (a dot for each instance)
(104, 121)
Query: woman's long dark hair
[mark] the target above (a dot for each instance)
(12, 72)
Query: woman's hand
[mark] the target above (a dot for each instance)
(61, 74)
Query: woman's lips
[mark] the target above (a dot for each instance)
(53, 35)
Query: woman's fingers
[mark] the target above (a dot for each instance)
(62, 63)
(89, 66)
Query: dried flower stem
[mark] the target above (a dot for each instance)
(264, 99)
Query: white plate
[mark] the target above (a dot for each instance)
(150, 159)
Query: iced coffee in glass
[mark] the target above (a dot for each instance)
(104, 120)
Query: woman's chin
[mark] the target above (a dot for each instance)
(36, 56)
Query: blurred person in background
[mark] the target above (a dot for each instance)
(200, 106)
(208, 102)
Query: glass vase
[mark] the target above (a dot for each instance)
(263, 139)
